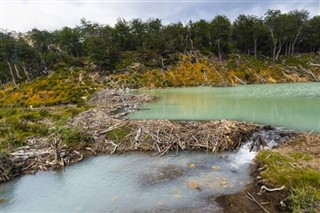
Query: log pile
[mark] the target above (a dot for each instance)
(115, 99)
(111, 135)
(161, 136)
(39, 154)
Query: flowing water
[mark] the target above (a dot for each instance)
(130, 183)
(292, 106)
(187, 181)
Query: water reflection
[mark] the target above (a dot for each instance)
(293, 106)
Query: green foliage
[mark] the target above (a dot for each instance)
(100, 46)
(118, 135)
(304, 199)
(17, 124)
(72, 136)
(62, 87)
(304, 183)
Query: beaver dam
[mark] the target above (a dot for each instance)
(170, 174)
(139, 182)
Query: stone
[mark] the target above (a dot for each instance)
(193, 185)
(215, 167)
(192, 165)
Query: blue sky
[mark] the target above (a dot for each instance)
(23, 15)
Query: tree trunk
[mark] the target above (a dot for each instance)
(274, 51)
(286, 50)
(295, 40)
(289, 50)
(25, 71)
(191, 43)
(219, 49)
(279, 50)
(12, 75)
(274, 48)
(255, 48)
(17, 71)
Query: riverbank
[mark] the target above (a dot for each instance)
(103, 132)
(198, 69)
(285, 179)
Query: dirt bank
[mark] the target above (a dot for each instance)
(303, 152)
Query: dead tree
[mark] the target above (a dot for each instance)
(12, 75)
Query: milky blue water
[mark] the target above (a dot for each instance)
(131, 183)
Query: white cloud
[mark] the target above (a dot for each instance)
(49, 14)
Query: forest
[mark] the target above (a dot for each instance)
(64, 95)
(24, 56)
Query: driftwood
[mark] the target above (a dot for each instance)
(308, 72)
(250, 196)
(39, 154)
(264, 188)
(314, 65)
(260, 77)
(238, 79)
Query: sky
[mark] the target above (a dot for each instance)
(24, 15)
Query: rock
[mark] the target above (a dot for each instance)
(2, 200)
(193, 185)
(224, 183)
(215, 167)
(192, 165)
(166, 174)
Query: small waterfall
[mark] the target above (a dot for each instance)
(267, 138)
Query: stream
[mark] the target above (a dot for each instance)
(137, 182)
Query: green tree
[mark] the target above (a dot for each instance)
(175, 37)
(68, 40)
(200, 34)
(312, 34)
(221, 32)
(122, 35)
(138, 30)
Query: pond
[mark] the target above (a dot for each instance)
(292, 106)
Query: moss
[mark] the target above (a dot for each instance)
(304, 199)
(17, 124)
(304, 183)
(118, 135)
(301, 156)
(73, 136)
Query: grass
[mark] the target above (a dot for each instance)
(17, 124)
(61, 87)
(73, 136)
(118, 135)
(288, 170)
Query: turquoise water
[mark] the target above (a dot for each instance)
(292, 106)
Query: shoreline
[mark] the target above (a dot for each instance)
(109, 135)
